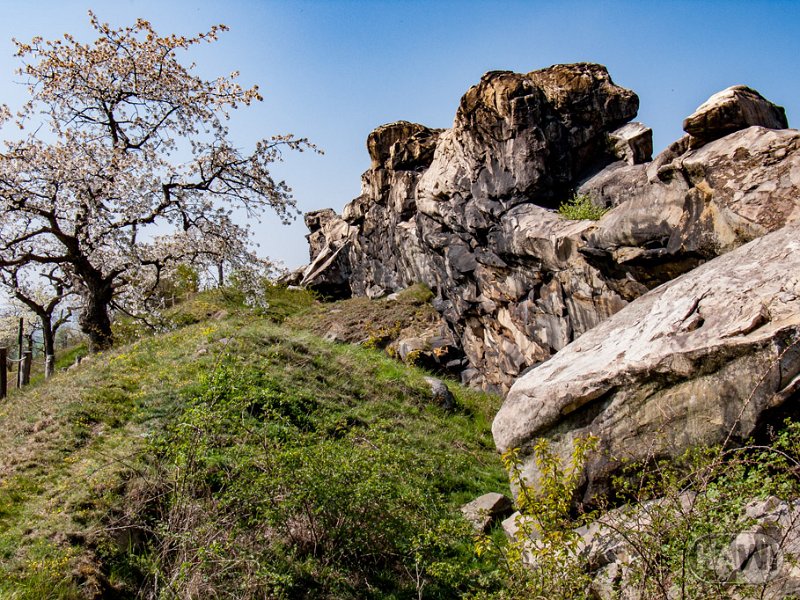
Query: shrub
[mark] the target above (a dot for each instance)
(580, 207)
(544, 559)
(419, 293)
(672, 506)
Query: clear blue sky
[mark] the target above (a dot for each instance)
(334, 70)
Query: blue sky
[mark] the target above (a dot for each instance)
(334, 70)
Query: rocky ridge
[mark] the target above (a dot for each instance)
(469, 211)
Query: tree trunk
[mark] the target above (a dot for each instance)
(94, 319)
(47, 334)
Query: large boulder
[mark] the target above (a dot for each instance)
(732, 109)
(711, 357)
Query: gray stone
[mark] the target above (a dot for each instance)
(402, 146)
(732, 109)
(486, 510)
(406, 347)
(440, 393)
(317, 238)
(632, 143)
(335, 334)
(704, 358)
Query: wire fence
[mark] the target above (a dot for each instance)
(24, 364)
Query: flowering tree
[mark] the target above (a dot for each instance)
(10, 316)
(43, 291)
(126, 143)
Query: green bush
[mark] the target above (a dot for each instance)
(580, 207)
(544, 559)
(419, 293)
(667, 507)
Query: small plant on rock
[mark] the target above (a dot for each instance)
(580, 207)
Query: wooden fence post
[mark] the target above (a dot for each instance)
(25, 368)
(49, 366)
(3, 372)
(19, 352)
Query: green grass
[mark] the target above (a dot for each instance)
(235, 455)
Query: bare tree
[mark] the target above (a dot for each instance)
(125, 141)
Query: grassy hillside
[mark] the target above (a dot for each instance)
(235, 457)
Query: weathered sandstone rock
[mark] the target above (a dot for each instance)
(707, 358)
(486, 510)
(734, 108)
(469, 212)
(701, 204)
(402, 146)
(632, 143)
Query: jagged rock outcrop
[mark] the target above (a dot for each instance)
(707, 358)
(468, 211)
(689, 206)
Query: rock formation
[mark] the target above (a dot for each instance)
(735, 108)
(707, 358)
(469, 211)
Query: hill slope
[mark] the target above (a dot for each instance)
(236, 457)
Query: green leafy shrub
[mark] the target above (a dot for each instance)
(544, 559)
(580, 207)
(667, 508)
(702, 495)
(419, 293)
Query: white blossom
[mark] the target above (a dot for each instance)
(127, 168)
